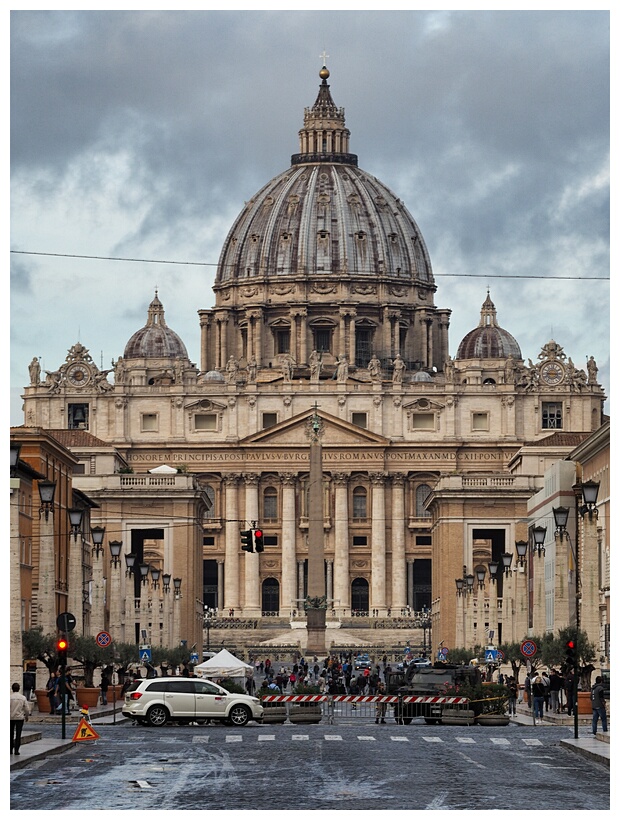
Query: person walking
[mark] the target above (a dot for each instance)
(20, 712)
(555, 685)
(29, 684)
(381, 706)
(538, 696)
(50, 688)
(513, 691)
(599, 705)
(105, 683)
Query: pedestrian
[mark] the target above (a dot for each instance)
(381, 706)
(527, 690)
(513, 691)
(555, 686)
(538, 696)
(105, 682)
(599, 706)
(569, 681)
(20, 712)
(50, 688)
(29, 684)
(546, 680)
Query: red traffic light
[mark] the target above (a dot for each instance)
(62, 645)
(570, 644)
(258, 533)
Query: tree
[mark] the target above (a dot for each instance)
(42, 647)
(517, 660)
(554, 653)
(85, 650)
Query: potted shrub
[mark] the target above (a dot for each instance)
(308, 712)
(42, 647)
(487, 701)
(86, 651)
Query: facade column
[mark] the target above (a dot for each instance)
(251, 606)
(98, 590)
(493, 622)
(589, 575)
(351, 356)
(342, 581)
(410, 584)
(303, 336)
(288, 592)
(521, 602)
(378, 543)
(205, 325)
(429, 336)
(220, 586)
(258, 332)
(399, 576)
(300, 584)
(231, 574)
(561, 617)
(46, 597)
(166, 634)
(342, 332)
(75, 583)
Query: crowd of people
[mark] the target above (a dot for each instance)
(333, 675)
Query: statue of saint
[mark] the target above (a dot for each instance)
(231, 370)
(374, 368)
(592, 371)
(316, 364)
(34, 368)
(342, 369)
(399, 368)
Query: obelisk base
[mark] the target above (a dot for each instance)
(316, 632)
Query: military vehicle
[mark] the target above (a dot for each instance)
(421, 690)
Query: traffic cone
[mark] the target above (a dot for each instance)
(85, 713)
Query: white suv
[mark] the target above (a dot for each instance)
(184, 700)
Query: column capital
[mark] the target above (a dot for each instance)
(398, 479)
(251, 479)
(231, 480)
(288, 479)
(377, 479)
(341, 479)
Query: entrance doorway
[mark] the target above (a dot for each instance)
(359, 596)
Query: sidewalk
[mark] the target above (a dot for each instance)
(596, 747)
(36, 744)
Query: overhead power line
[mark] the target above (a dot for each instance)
(357, 270)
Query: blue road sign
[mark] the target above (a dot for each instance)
(490, 655)
(193, 657)
(145, 655)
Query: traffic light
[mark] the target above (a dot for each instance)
(258, 541)
(62, 644)
(571, 660)
(246, 540)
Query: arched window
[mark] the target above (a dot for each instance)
(421, 494)
(270, 504)
(360, 503)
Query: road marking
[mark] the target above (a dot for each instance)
(438, 802)
(299, 737)
(432, 739)
(532, 742)
(365, 737)
(200, 739)
(333, 737)
(500, 741)
(470, 760)
(233, 738)
(266, 737)
(400, 737)
(465, 740)
(143, 784)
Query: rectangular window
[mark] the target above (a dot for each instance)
(269, 420)
(479, 421)
(423, 421)
(205, 421)
(270, 540)
(360, 541)
(79, 469)
(283, 341)
(322, 339)
(552, 415)
(360, 420)
(208, 540)
(149, 422)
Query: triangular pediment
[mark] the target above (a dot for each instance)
(336, 432)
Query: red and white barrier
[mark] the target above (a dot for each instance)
(427, 699)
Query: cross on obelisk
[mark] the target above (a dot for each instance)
(316, 602)
(324, 57)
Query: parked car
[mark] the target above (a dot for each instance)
(184, 700)
(362, 662)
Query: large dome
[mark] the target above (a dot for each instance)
(488, 340)
(155, 340)
(325, 217)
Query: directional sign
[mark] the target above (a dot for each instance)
(490, 655)
(66, 621)
(84, 731)
(145, 654)
(528, 649)
(103, 639)
(193, 657)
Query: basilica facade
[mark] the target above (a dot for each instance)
(324, 307)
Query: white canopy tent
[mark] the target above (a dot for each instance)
(224, 665)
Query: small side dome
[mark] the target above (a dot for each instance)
(213, 376)
(155, 340)
(421, 376)
(488, 340)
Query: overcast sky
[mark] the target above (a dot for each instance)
(142, 133)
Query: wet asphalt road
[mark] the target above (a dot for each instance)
(317, 767)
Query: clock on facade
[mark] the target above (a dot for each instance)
(552, 372)
(78, 375)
